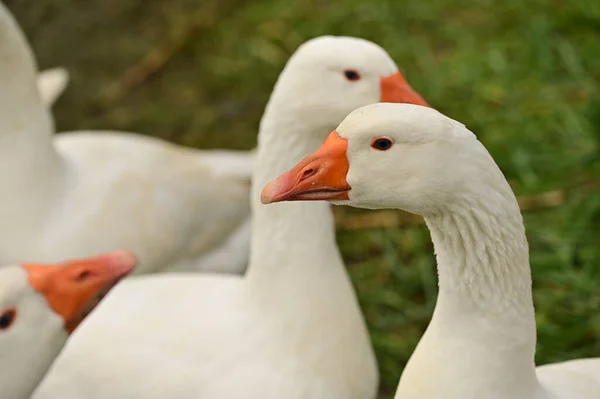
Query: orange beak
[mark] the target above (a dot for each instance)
(73, 288)
(319, 176)
(395, 89)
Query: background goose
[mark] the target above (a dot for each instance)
(291, 328)
(481, 340)
(85, 193)
(41, 305)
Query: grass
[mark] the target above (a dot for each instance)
(524, 76)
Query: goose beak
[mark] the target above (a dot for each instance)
(319, 176)
(395, 89)
(72, 289)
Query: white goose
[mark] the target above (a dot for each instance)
(51, 84)
(82, 193)
(291, 328)
(40, 306)
(481, 340)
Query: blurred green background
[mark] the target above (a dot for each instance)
(523, 75)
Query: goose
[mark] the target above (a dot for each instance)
(481, 340)
(86, 192)
(291, 327)
(51, 84)
(40, 305)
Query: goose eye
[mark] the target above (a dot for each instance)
(382, 143)
(7, 318)
(352, 75)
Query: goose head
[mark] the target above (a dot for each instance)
(394, 156)
(329, 76)
(40, 305)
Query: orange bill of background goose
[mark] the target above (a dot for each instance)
(480, 343)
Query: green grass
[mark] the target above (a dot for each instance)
(524, 76)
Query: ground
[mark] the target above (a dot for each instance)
(523, 75)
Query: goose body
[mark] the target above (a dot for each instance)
(40, 306)
(291, 327)
(80, 193)
(480, 343)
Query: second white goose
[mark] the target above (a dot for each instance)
(480, 343)
(291, 328)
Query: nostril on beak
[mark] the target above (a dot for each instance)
(83, 275)
(307, 173)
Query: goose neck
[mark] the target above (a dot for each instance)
(306, 228)
(26, 125)
(483, 326)
(483, 257)
(21, 109)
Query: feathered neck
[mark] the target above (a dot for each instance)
(482, 256)
(29, 164)
(21, 110)
(306, 228)
(481, 339)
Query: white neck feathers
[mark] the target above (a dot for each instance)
(22, 113)
(481, 339)
(29, 162)
(483, 256)
(306, 228)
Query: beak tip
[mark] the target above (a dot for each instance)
(120, 262)
(265, 200)
(268, 194)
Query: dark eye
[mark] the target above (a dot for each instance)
(7, 318)
(382, 143)
(352, 75)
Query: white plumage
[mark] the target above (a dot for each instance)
(39, 305)
(480, 343)
(51, 84)
(291, 328)
(82, 193)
